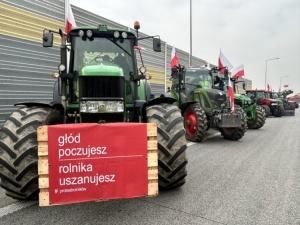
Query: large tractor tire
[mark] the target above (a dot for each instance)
(171, 145)
(19, 149)
(236, 133)
(267, 110)
(278, 111)
(195, 123)
(259, 120)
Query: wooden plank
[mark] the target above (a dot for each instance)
(43, 165)
(44, 197)
(43, 181)
(42, 133)
(152, 160)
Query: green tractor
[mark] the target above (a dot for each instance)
(256, 116)
(203, 106)
(102, 84)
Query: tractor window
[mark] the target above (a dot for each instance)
(195, 77)
(104, 50)
(260, 95)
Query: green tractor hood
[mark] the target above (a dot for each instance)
(101, 69)
(242, 98)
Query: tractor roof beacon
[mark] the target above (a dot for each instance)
(98, 82)
(204, 106)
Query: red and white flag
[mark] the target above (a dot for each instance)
(268, 88)
(231, 96)
(174, 58)
(70, 21)
(223, 62)
(238, 71)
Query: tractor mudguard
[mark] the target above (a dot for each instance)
(229, 120)
(52, 104)
(184, 106)
(156, 101)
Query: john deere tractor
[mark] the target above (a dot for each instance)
(256, 115)
(102, 84)
(271, 106)
(204, 106)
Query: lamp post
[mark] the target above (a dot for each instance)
(266, 71)
(280, 83)
(191, 33)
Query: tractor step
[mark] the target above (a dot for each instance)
(289, 112)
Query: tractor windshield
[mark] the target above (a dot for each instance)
(103, 50)
(197, 77)
(260, 94)
(275, 95)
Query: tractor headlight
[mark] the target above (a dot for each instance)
(116, 34)
(61, 67)
(101, 106)
(89, 33)
(124, 35)
(274, 103)
(143, 69)
(80, 33)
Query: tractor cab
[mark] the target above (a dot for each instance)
(99, 77)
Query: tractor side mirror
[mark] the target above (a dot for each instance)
(226, 73)
(47, 39)
(156, 44)
(174, 74)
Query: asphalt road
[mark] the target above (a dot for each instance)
(255, 180)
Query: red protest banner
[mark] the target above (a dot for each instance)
(89, 162)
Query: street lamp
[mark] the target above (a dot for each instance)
(280, 83)
(191, 33)
(266, 71)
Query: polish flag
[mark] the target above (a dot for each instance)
(70, 21)
(238, 71)
(223, 62)
(231, 96)
(174, 58)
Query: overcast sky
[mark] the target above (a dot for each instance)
(247, 32)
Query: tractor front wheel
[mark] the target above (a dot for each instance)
(278, 111)
(172, 146)
(195, 123)
(19, 150)
(267, 110)
(259, 120)
(236, 133)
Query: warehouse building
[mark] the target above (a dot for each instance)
(26, 67)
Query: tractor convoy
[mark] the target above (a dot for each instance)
(99, 81)
(103, 84)
(273, 107)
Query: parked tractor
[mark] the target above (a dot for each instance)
(102, 84)
(287, 104)
(272, 107)
(204, 106)
(256, 115)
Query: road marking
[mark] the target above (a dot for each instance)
(15, 207)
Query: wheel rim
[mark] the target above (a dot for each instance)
(190, 123)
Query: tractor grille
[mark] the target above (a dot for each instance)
(98, 88)
(101, 87)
